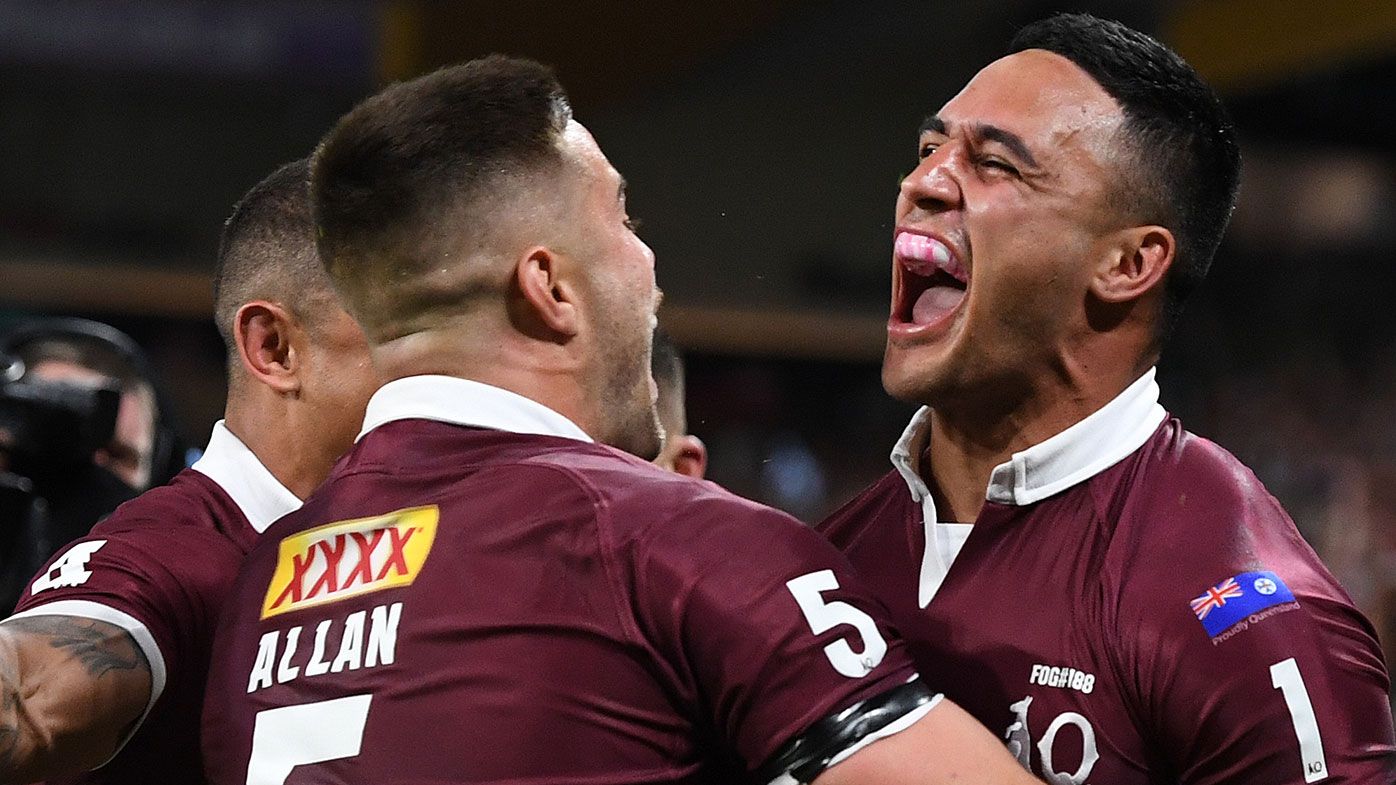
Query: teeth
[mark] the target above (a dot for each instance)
(924, 255)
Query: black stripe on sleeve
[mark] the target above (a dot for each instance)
(809, 755)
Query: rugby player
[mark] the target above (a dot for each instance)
(682, 453)
(1121, 599)
(481, 593)
(108, 653)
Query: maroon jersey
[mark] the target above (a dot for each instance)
(1131, 607)
(159, 567)
(479, 594)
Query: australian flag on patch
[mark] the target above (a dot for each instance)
(1231, 601)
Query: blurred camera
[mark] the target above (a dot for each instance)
(81, 431)
(50, 425)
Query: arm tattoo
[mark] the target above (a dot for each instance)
(101, 647)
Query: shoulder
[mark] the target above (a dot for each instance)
(1194, 476)
(873, 503)
(167, 542)
(190, 505)
(637, 496)
(1185, 506)
(1195, 518)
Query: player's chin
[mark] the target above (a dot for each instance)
(909, 377)
(643, 435)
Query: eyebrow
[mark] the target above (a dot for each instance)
(620, 190)
(984, 131)
(932, 123)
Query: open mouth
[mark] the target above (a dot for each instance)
(933, 281)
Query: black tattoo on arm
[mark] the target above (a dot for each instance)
(44, 662)
(101, 647)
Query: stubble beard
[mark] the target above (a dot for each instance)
(626, 402)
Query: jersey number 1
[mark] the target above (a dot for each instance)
(1284, 676)
(292, 736)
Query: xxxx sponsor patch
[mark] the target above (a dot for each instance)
(345, 559)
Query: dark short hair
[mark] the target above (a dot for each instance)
(1186, 162)
(666, 365)
(392, 180)
(267, 251)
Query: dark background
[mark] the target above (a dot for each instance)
(763, 143)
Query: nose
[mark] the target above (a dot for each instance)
(934, 184)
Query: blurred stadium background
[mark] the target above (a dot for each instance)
(763, 142)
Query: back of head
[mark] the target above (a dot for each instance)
(268, 253)
(1183, 162)
(416, 174)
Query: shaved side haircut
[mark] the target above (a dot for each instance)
(1185, 161)
(410, 186)
(267, 252)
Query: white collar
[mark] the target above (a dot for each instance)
(237, 470)
(1101, 440)
(465, 402)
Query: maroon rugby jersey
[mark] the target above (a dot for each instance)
(479, 594)
(160, 567)
(1131, 607)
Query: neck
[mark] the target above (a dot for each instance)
(968, 442)
(543, 372)
(268, 426)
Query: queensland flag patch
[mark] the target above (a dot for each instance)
(1235, 600)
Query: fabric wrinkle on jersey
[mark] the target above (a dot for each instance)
(571, 613)
(159, 567)
(1074, 619)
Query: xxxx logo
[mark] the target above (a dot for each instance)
(345, 559)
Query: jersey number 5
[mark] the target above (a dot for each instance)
(823, 616)
(292, 736)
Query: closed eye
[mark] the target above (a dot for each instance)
(633, 224)
(999, 164)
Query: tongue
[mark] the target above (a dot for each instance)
(936, 302)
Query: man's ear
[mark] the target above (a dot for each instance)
(547, 292)
(691, 460)
(263, 333)
(1136, 264)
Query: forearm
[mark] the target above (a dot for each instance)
(945, 747)
(70, 690)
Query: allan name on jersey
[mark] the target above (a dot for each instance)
(335, 562)
(349, 558)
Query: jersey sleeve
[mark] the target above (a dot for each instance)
(765, 621)
(1263, 673)
(159, 585)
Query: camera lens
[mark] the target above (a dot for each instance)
(11, 368)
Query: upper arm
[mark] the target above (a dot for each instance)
(1301, 702)
(767, 622)
(1292, 693)
(945, 746)
(71, 689)
(161, 583)
(100, 631)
